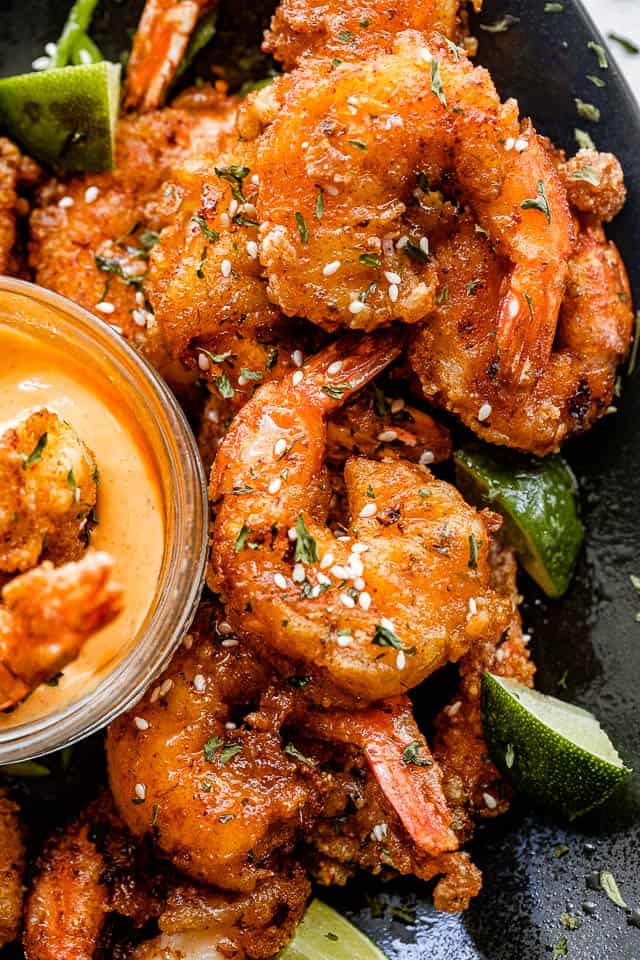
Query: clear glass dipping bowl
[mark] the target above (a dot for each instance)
(183, 495)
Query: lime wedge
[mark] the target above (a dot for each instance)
(325, 935)
(65, 118)
(554, 752)
(537, 499)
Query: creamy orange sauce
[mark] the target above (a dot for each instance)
(35, 372)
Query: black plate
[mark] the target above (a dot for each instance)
(587, 646)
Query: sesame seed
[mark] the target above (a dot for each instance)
(334, 368)
(299, 576)
(187, 642)
(356, 566)
(275, 485)
(426, 457)
(292, 533)
(279, 447)
(249, 210)
(356, 306)
(425, 55)
(40, 63)
(115, 327)
(140, 298)
(484, 412)
(359, 583)
(141, 723)
(140, 317)
(509, 143)
(255, 179)
(340, 572)
(199, 683)
(397, 405)
(330, 268)
(453, 709)
(387, 247)
(66, 202)
(105, 307)
(401, 660)
(402, 242)
(140, 791)
(297, 378)
(347, 601)
(225, 220)
(331, 190)
(324, 580)
(387, 624)
(490, 801)
(233, 208)
(51, 49)
(473, 607)
(392, 277)
(364, 600)
(316, 591)
(521, 144)
(230, 642)
(252, 249)
(203, 361)
(224, 628)
(345, 641)
(91, 194)
(326, 561)
(165, 687)
(297, 358)
(379, 832)
(387, 436)
(424, 244)
(368, 510)
(230, 725)
(280, 581)
(242, 381)
(155, 693)
(225, 268)
(393, 293)
(359, 548)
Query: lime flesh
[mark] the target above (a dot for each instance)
(324, 934)
(65, 118)
(537, 500)
(553, 752)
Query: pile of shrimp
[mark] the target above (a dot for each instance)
(317, 268)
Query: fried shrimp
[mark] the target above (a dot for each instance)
(12, 862)
(93, 872)
(453, 354)
(91, 236)
(246, 797)
(374, 611)
(353, 29)
(358, 142)
(159, 45)
(15, 169)
(48, 488)
(46, 616)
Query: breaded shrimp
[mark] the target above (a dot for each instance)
(594, 183)
(453, 353)
(353, 146)
(15, 169)
(159, 45)
(94, 870)
(12, 862)
(95, 250)
(48, 488)
(218, 796)
(47, 615)
(375, 611)
(353, 29)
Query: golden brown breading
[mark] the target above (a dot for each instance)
(594, 183)
(15, 170)
(12, 862)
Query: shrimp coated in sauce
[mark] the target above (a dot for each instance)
(341, 242)
(374, 611)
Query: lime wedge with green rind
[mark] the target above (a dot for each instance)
(538, 501)
(551, 751)
(324, 934)
(65, 118)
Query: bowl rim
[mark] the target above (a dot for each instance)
(184, 557)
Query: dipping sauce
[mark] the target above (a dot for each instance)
(37, 372)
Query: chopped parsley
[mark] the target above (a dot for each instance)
(358, 144)
(215, 749)
(583, 139)
(113, 266)
(474, 546)
(242, 537)
(588, 111)
(210, 234)
(223, 385)
(436, 82)
(36, 454)
(600, 53)
(625, 43)
(306, 548)
(415, 252)
(553, 7)
(610, 887)
(71, 481)
(383, 637)
(345, 36)
(302, 227)
(370, 260)
(413, 755)
(235, 176)
(539, 202)
(250, 374)
(292, 751)
(200, 267)
(443, 295)
(561, 949)
(272, 358)
(588, 174)
(473, 286)
(335, 392)
(596, 81)
(319, 208)
(529, 300)
(500, 26)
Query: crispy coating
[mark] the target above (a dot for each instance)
(12, 862)
(46, 616)
(48, 488)
(309, 590)
(453, 353)
(472, 783)
(245, 797)
(352, 29)
(364, 137)
(120, 224)
(15, 170)
(595, 184)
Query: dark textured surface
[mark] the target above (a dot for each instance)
(587, 646)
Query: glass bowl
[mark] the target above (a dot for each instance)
(171, 449)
